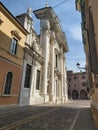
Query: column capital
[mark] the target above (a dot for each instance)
(34, 62)
(52, 37)
(45, 27)
(47, 33)
(61, 55)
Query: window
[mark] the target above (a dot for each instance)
(75, 77)
(13, 48)
(38, 79)
(83, 77)
(8, 83)
(1, 21)
(27, 76)
(69, 79)
(84, 84)
(69, 85)
(56, 58)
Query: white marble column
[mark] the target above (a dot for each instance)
(32, 88)
(52, 66)
(22, 85)
(59, 84)
(65, 81)
(62, 74)
(45, 37)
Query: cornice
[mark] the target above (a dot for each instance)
(34, 55)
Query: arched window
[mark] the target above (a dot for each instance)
(75, 94)
(7, 88)
(83, 94)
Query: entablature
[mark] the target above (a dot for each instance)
(34, 54)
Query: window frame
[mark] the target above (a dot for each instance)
(13, 46)
(8, 92)
(27, 76)
(56, 60)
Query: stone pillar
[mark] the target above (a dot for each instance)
(65, 82)
(52, 40)
(33, 78)
(45, 38)
(59, 86)
(62, 74)
(21, 103)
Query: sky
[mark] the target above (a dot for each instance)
(70, 21)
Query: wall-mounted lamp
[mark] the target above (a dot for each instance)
(79, 67)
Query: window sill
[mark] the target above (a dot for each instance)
(13, 54)
(6, 95)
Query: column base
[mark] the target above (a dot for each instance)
(52, 98)
(46, 97)
(66, 98)
(62, 100)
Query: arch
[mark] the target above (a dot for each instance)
(83, 94)
(75, 94)
(8, 82)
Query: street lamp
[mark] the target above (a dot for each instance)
(79, 67)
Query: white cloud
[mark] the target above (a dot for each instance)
(74, 32)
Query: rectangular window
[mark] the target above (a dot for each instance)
(27, 76)
(56, 61)
(13, 48)
(38, 79)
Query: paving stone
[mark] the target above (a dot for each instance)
(74, 115)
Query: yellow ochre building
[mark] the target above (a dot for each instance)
(12, 41)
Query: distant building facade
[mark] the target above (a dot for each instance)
(12, 42)
(89, 10)
(77, 85)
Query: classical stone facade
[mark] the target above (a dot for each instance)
(44, 70)
(12, 42)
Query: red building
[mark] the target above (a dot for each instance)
(77, 85)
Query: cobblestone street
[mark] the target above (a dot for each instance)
(75, 115)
